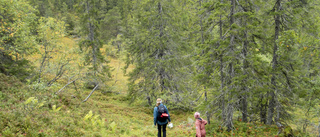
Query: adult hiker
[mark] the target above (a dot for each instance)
(200, 123)
(161, 117)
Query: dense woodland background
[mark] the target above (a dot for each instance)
(73, 67)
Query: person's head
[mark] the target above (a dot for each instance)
(196, 115)
(159, 101)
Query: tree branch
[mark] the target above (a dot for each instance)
(91, 93)
(58, 75)
(66, 85)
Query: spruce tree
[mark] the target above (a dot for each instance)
(91, 45)
(158, 53)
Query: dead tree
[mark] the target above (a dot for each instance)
(91, 93)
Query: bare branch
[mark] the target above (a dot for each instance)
(91, 93)
(66, 85)
(319, 129)
(61, 71)
(280, 127)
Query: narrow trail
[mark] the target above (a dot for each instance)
(135, 120)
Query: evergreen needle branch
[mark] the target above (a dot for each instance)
(199, 97)
(224, 36)
(241, 6)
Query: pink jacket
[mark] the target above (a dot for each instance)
(201, 131)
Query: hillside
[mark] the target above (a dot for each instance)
(104, 114)
(35, 110)
(96, 67)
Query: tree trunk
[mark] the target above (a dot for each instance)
(245, 67)
(272, 102)
(149, 100)
(319, 129)
(206, 100)
(229, 121)
(202, 42)
(223, 115)
(160, 53)
(244, 108)
(43, 62)
(263, 110)
(91, 39)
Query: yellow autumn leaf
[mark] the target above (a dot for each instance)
(287, 45)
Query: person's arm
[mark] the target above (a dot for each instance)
(204, 122)
(168, 114)
(155, 115)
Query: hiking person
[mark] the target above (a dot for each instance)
(161, 117)
(200, 123)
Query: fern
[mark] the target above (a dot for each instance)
(32, 103)
(89, 115)
(94, 120)
(55, 109)
(29, 100)
(113, 126)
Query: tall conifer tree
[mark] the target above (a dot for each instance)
(91, 44)
(159, 53)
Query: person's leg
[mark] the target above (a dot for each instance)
(159, 130)
(164, 130)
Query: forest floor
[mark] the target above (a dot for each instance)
(107, 113)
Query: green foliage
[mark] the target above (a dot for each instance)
(221, 58)
(95, 120)
(55, 109)
(17, 22)
(17, 39)
(32, 103)
(159, 53)
(111, 24)
(113, 126)
(49, 32)
(91, 44)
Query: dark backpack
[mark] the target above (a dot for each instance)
(162, 116)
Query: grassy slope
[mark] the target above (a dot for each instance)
(112, 115)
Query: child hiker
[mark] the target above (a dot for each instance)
(200, 123)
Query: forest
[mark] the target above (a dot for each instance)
(97, 67)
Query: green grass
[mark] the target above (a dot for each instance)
(105, 114)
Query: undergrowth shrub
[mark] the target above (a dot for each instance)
(9, 82)
(32, 103)
(36, 111)
(94, 120)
